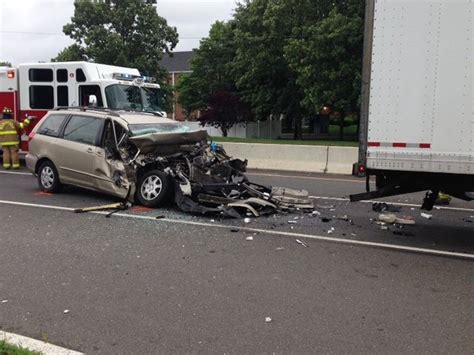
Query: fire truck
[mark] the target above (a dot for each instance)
(33, 89)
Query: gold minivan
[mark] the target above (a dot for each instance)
(107, 151)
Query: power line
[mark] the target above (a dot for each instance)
(62, 34)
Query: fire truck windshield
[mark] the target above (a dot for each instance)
(128, 97)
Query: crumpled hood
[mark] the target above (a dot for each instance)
(155, 142)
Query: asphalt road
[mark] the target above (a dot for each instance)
(136, 284)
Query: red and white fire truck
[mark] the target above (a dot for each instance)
(33, 89)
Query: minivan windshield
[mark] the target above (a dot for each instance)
(128, 97)
(147, 128)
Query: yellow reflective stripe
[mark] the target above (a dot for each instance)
(9, 143)
(15, 166)
(7, 133)
(22, 125)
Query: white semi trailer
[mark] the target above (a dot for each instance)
(417, 119)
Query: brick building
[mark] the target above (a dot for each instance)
(177, 65)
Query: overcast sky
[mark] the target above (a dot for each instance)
(31, 30)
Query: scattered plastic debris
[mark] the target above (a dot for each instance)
(316, 213)
(331, 231)
(4, 301)
(387, 218)
(279, 248)
(268, 319)
(384, 227)
(247, 220)
(301, 243)
(292, 222)
(249, 238)
(426, 215)
(408, 220)
(66, 311)
(384, 207)
(353, 235)
(390, 218)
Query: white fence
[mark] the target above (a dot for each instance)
(261, 129)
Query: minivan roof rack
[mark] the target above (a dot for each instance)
(86, 108)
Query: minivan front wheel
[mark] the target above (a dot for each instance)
(154, 188)
(48, 178)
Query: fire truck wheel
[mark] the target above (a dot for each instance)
(154, 188)
(48, 178)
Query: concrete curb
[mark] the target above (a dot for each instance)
(35, 345)
(300, 158)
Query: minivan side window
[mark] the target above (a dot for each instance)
(52, 125)
(83, 129)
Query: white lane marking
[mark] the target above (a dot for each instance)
(15, 173)
(265, 231)
(35, 345)
(343, 199)
(305, 177)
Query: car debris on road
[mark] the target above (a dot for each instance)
(390, 218)
(384, 207)
(300, 242)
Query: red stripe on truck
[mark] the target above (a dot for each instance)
(425, 145)
(373, 144)
(399, 145)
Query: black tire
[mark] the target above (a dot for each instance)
(154, 189)
(48, 177)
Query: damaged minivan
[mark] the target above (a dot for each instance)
(150, 160)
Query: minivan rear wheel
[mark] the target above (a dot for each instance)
(154, 188)
(48, 177)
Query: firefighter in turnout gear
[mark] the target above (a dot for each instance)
(10, 139)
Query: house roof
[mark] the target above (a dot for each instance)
(178, 63)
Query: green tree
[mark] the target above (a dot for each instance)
(71, 54)
(327, 60)
(210, 88)
(5, 64)
(120, 32)
(264, 28)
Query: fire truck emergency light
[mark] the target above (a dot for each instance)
(121, 76)
(10, 74)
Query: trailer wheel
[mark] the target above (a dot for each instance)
(154, 188)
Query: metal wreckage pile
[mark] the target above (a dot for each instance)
(205, 180)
